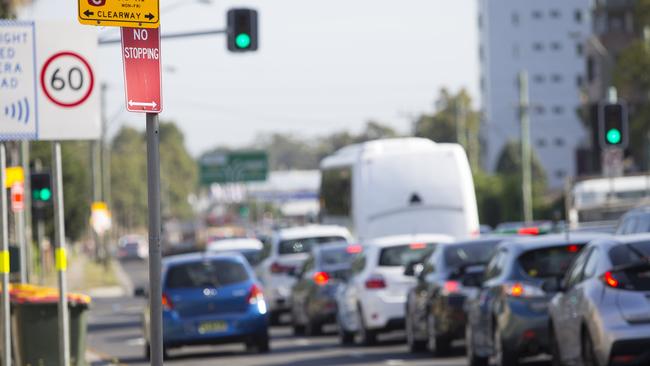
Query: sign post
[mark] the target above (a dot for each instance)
(4, 262)
(143, 90)
(17, 207)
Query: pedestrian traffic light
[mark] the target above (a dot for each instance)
(613, 126)
(242, 30)
(41, 189)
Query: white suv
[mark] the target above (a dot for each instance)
(288, 250)
(374, 298)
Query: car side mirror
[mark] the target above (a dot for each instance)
(140, 292)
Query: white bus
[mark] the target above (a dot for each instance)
(399, 186)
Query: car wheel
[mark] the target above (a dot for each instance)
(274, 318)
(313, 329)
(472, 358)
(587, 351)
(502, 357)
(415, 346)
(259, 344)
(367, 337)
(439, 345)
(556, 358)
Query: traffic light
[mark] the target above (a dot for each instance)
(242, 30)
(613, 126)
(41, 189)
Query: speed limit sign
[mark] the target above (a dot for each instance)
(48, 86)
(67, 79)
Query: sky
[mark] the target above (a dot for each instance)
(322, 66)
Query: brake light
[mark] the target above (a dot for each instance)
(167, 303)
(256, 297)
(451, 287)
(418, 246)
(280, 268)
(573, 248)
(523, 290)
(375, 283)
(354, 249)
(321, 278)
(610, 281)
(528, 231)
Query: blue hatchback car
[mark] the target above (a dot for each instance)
(211, 299)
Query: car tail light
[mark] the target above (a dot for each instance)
(321, 278)
(167, 303)
(451, 287)
(610, 280)
(256, 297)
(522, 290)
(528, 231)
(354, 249)
(375, 283)
(573, 248)
(418, 246)
(280, 268)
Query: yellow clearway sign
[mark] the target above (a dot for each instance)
(15, 175)
(120, 13)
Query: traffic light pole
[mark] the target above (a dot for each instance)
(155, 254)
(4, 261)
(60, 255)
(210, 32)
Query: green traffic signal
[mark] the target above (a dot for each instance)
(613, 136)
(243, 40)
(42, 194)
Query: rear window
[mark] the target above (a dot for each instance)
(339, 257)
(304, 245)
(253, 256)
(549, 262)
(459, 255)
(629, 253)
(211, 273)
(404, 254)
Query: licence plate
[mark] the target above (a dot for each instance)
(213, 327)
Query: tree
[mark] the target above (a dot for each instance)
(178, 170)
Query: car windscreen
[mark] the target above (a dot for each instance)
(304, 245)
(403, 255)
(550, 261)
(253, 256)
(208, 273)
(458, 255)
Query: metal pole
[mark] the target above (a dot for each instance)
(96, 188)
(526, 182)
(153, 178)
(61, 256)
(40, 234)
(22, 245)
(26, 213)
(4, 261)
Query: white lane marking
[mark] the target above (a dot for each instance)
(135, 342)
(395, 362)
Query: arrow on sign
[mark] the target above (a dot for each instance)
(150, 16)
(88, 13)
(141, 104)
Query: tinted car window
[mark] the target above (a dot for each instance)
(404, 254)
(336, 257)
(629, 253)
(456, 256)
(304, 245)
(549, 262)
(495, 265)
(253, 256)
(211, 273)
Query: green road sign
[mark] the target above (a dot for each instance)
(232, 167)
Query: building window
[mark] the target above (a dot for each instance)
(555, 13)
(559, 142)
(481, 53)
(538, 46)
(556, 46)
(480, 21)
(591, 69)
(540, 110)
(557, 78)
(515, 19)
(579, 81)
(558, 109)
(580, 49)
(539, 78)
(541, 142)
(578, 16)
(537, 14)
(559, 174)
(482, 82)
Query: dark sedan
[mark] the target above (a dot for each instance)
(435, 306)
(509, 318)
(313, 301)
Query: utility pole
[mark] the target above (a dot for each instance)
(461, 126)
(526, 174)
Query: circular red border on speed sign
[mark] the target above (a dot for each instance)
(86, 64)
